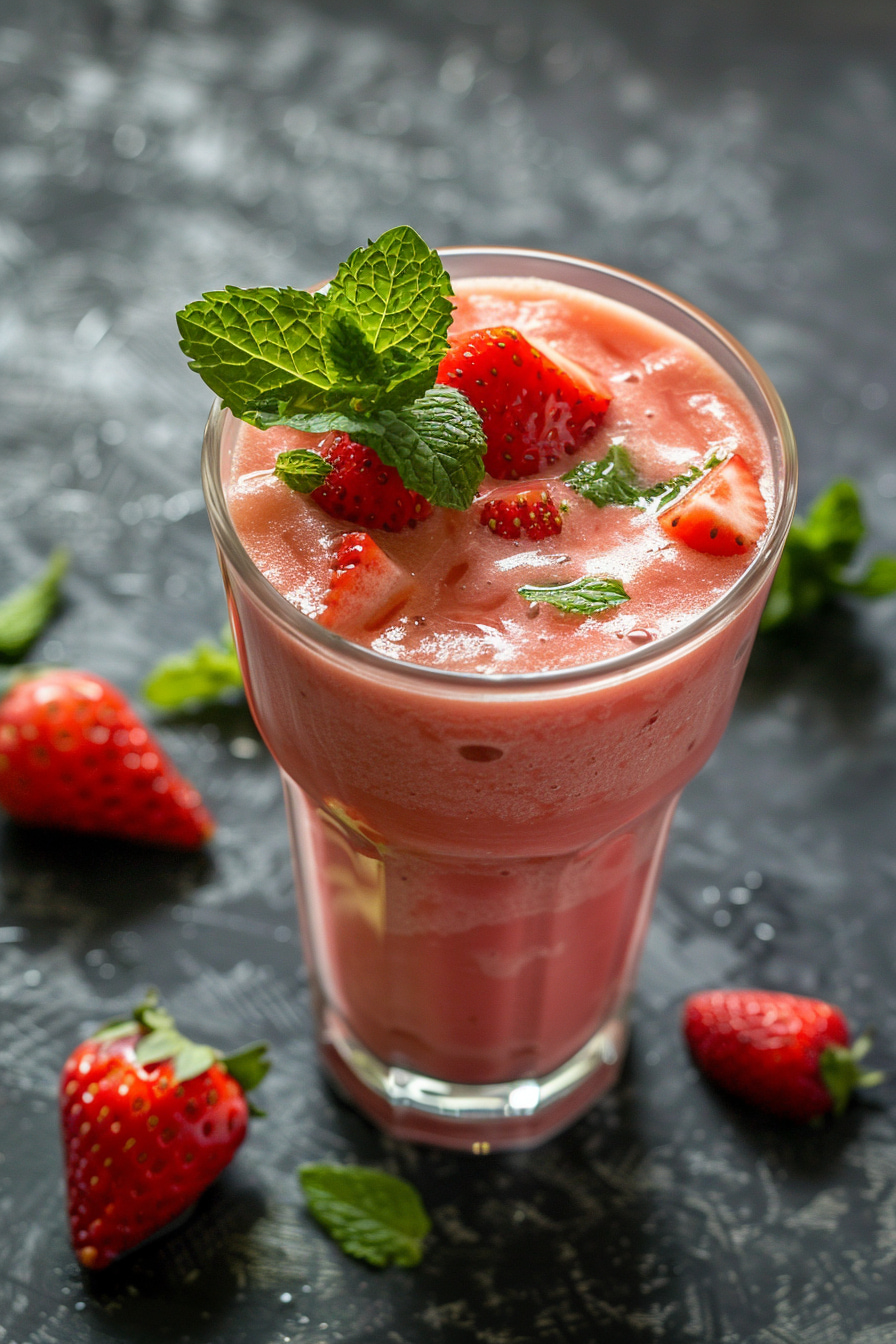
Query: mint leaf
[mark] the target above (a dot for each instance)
(204, 675)
(398, 292)
(613, 480)
(582, 597)
(373, 1216)
(436, 444)
(301, 469)
(350, 356)
(259, 348)
(26, 611)
(816, 553)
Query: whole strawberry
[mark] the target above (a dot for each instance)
(361, 489)
(532, 409)
(148, 1121)
(74, 754)
(789, 1055)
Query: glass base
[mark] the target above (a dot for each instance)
(482, 1117)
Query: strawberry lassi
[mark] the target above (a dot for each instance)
(480, 781)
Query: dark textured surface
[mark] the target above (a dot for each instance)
(741, 155)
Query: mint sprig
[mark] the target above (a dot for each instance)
(818, 550)
(203, 675)
(302, 469)
(361, 358)
(26, 611)
(587, 596)
(373, 1216)
(613, 479)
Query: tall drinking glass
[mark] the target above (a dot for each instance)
(476, 856)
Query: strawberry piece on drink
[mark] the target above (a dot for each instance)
(74, 754)
(531, 511)
(360, 488)
(533, 410)
(789, 1055)
(723, 514)
(366, 585)
(149, 1120)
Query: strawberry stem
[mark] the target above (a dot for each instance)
(840, 1072)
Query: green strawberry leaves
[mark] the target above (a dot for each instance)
(817, 551)
(373, 1216)
(839, 1066)
(361, 357)
(160, 1039)
(26, 611)
(613, 480)
(582, 597)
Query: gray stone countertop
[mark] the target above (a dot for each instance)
(743, 155)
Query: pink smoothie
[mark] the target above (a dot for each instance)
(480, 858)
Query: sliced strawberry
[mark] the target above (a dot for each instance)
(74, 754)
(531, 511)
(532, 409)
(723, 514)
(362, 489)
(366, 585)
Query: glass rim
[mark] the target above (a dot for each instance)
(692, 632)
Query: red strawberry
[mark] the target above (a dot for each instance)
(366, 585)
(74, 754)
(531, 511)
(532, 409)
(787, 1054)
(723, 514)
(362, 489)
(148, 1121)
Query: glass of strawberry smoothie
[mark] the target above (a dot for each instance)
(477, 841)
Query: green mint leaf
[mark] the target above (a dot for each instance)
(301, 469)
(26, 611)
(582, 597)
(351, 357)
(259, 348)
(816, 552)
(249, 1065)
(204, 675)
(373, 1216)
(398, 293)
(613, 480)
(879, 579)
(436, 445)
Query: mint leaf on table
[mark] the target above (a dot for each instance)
(361, 358)
(203, 675)
(582, 597)
(373, 1216)
(26, 611)
(817, 552)
(302, 469)
(436, 444)
(613, 479)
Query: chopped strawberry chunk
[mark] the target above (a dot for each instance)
(366, 586)
(723, 514)
(531, 511)
(362, 489)
(532, 409)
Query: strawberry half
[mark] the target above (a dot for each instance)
(365, 587)
(531, 511)
(787, 1054)
(362, 489)
(532, 409)
(149, 1120)
(723, 514)
(74, 754)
